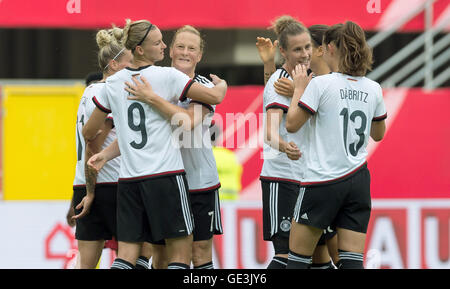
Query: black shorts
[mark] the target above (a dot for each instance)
(206, 211)
(100, 222)
(279, 200)
(153, 209)
(328, 233)
(345, 204)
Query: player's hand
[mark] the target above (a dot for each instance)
(266, 49)
(140, 90)
(85, 203)
(215, 79)
(284, 86)
(69, 216)
(300, 76)
(292, 151)
(97, 162)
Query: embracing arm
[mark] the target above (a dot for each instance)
(272, 136)
(204, 94)
(297, 116)
(188, 119)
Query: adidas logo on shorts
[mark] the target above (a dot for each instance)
(304, 216)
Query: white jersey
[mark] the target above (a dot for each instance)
(277, 166)
(110, 172)
(144, 134)
(343, 109)
(198, 157)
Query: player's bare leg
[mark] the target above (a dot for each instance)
(320, 255)
(351, 249)
(332, 245)
(90, 252)
(146, 253)
(202, 252)
(179, 251)
(302, 242)
(127, 255)
(159, 259)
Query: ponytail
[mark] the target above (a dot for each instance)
(355, 54)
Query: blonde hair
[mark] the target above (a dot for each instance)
(135, 32)
(109, 44)
(356, 56)
(285, 26)
(190, 29)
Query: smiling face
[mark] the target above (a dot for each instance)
(186, 52)
(298, 51)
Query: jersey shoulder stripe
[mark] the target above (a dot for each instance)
(283, 73)
(307, 107)
(380, 118)
(183, 95)
(101, 107)
(285, 108)
(201, 79)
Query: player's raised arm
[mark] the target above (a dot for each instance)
(296, 115)
(266, 51)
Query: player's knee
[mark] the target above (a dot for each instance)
(202, 251)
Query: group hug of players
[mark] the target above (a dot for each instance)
(160, 200)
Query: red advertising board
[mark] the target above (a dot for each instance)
(370, 14)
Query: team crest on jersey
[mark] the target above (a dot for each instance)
(285, 225)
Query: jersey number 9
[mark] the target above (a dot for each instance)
(140, 127)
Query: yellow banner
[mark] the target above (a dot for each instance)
(39, 141)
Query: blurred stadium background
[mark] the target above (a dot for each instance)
(47, 48)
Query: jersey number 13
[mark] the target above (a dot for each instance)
(354, 147)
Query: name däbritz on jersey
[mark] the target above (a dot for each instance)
(351, 94)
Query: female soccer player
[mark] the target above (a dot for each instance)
(285, 86)
(186, 51)
(153, 203)
(282, 168)
(94, 193)
(344, 109)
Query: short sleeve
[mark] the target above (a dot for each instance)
(380, 109)
(311, 97)
(180, 83)
(205, 82)
(273, 99)
(101, 100)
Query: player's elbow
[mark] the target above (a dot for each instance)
(377, 137)
(88, 134)
(291, 126)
